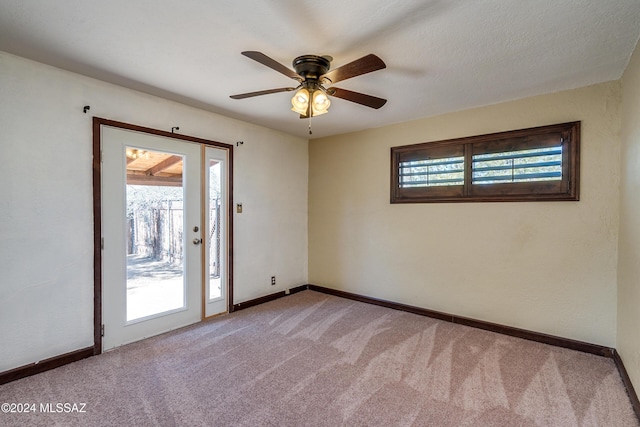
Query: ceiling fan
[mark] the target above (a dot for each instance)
(312, 73)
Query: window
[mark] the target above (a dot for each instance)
(530, 164)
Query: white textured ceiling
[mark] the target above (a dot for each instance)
(441, 55)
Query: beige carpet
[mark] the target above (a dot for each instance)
(316, 360)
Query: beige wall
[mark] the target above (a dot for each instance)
(543, 266)
(628, 343)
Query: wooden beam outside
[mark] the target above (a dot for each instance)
(166, 163)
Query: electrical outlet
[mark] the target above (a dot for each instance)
(273, 280)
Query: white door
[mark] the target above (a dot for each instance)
(152, 231)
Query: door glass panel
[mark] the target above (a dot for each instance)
(155, 234)
(214, 241)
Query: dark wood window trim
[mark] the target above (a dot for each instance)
(461, 151)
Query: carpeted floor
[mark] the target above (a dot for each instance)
(316, 360)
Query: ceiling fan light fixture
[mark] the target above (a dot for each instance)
(300, 101)
(311, 98)
(320, 103)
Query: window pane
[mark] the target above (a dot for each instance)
(432, 172)
(539, 164)
(155, 252)
(215, 235)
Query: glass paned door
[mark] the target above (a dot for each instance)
(152, 231)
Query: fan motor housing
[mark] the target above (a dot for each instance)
(311, 66)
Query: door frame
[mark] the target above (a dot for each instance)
(98, 122)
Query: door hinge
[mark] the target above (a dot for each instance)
(102, 243)
(102, 330)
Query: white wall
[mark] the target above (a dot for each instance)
(548, 267)
(46, 222)
(629, 249)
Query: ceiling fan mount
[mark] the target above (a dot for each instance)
(312, 66)
(312, 72)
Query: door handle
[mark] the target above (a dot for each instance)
(197, 241)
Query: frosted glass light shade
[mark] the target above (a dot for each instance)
(320, 103)
(300, 101)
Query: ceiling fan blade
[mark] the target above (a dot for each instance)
(357, 97)
(364, 65)
(262, 92)
(271, 63)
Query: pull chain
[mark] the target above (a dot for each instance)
(310, 133)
